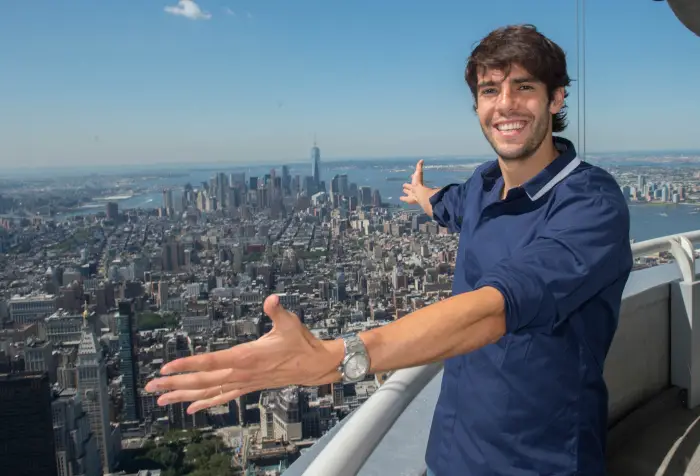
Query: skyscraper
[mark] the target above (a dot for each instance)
(129, 362)
(112, 210)
(168, 202)
(92, 385)
(26, 429)
(76, 447)
(286, 180)
(343, 187)
(316, 165)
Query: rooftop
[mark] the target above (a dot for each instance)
(11, 377)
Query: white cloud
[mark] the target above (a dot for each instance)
(188, 9)
(228, 11)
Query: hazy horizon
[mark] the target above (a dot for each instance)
(332, 162)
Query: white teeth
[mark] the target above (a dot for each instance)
(510, 126)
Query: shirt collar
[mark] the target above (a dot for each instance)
(565, 163)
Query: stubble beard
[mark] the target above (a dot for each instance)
(537, 136)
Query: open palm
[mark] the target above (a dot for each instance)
(289, 354)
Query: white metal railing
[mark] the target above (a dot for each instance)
(347, 452)
(680, 245)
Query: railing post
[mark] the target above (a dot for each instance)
(685, 322)
(684, 253)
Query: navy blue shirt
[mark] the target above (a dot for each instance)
(535, 402)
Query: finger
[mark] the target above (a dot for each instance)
(405, 199)
(193, 381)
(196, 395)
(178, 396)
(203, 362)
(218, 400)
(280, 317)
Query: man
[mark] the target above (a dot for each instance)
(544, 255)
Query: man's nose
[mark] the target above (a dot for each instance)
(506, 100)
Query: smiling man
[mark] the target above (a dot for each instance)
(551, 234)
(544, 255)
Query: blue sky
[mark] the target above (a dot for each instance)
(109, 82)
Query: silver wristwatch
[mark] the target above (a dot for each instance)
(355, 364)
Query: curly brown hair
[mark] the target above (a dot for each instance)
(527, 47)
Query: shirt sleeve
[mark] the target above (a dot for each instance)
(448, 206)
(584, 249)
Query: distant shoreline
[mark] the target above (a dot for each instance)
(657, 204)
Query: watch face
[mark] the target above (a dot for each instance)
(356, 366)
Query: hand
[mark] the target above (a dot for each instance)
(416, 192)
(289, 354)
(411, 191)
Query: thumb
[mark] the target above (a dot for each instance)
(419, 172)
(279, 315)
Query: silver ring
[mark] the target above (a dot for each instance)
(221, 389)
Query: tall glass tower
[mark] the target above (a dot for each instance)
(316, 165)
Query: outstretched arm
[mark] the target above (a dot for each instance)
(291, 355)
(447, 328)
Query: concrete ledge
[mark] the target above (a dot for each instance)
(639, 361)
(659, 439)
(620, 434)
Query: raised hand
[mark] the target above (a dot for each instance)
(289, 354)
(412, 191)
(416, 192)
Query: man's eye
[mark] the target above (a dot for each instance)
(488, 91)
(525, 86)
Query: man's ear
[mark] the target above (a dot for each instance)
(557, 102)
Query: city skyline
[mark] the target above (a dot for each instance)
(212, 82)
(104, 280)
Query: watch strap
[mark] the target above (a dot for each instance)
(353, 345)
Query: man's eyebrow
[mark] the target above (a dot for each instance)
(518, 80)
(484, 84)
(523, 79)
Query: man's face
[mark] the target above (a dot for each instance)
(515, 112)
